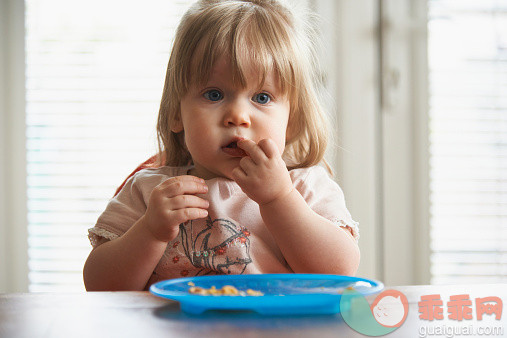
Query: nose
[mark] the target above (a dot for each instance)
(237, 115)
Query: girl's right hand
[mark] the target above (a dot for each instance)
(173, 202)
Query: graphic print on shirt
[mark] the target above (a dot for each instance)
(220, 246)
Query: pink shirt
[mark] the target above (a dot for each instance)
(233, 238)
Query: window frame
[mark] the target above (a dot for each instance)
(13, 209)
(386, 186)
(353, 89)
(405, 142)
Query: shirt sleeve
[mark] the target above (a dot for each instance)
(325, 197)
(121, 213)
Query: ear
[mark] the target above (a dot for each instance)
(177, 125)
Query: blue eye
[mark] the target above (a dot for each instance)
(262, 98)
(213, 95)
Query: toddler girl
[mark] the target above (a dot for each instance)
(239, 189)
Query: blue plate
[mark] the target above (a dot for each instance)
(284, 294)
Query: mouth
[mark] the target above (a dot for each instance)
(233, 150)
(232, 145)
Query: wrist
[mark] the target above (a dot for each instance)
(281, 198)
(149, 232)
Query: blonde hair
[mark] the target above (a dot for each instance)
(269, 35)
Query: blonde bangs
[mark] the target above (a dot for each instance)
(239, 29)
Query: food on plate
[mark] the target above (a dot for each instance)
(226, 290)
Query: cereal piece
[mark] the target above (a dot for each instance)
(198, 291)
(213, 291)
(251, 292)
(230, 290)
(191, 283)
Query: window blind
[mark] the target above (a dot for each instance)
(467, 43)
(94, 77)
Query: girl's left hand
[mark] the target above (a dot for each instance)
(263, 174)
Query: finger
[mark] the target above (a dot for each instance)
(185, 178)
(187, 201)
(252, 150)
(247, 164)
(183, 186)
(187, 214)
(238, 175)
(269, 147)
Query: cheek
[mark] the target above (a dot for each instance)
(277, 134)
(196, 129)
(281, 133)
(198, 139)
